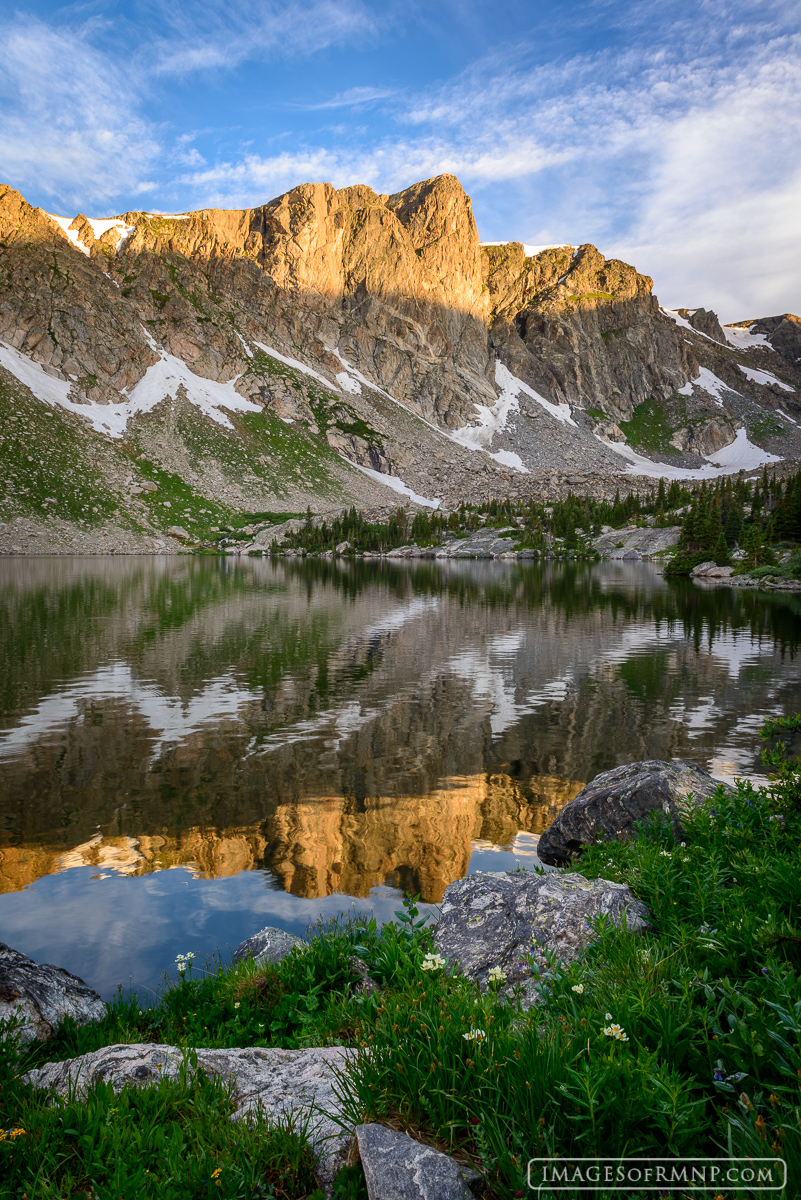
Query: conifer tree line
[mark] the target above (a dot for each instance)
(716, 518)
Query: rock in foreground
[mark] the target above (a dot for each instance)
(41, 996)
(396, 1167)
(269, 945)
(279, 1083)
(611, 806)
(505, 920)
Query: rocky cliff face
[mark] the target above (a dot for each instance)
(255, 355)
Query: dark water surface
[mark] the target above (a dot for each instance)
(193, 748)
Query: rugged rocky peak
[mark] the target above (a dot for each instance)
(582, 329)
(783, 333)
(20, 222)
(438, 216)
(705, 321)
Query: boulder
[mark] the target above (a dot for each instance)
(396, 1167)
(269, 945)
(278, 1083)
(512, 920)
(711, 570)
(343, 547)
(41, 996)
(611, 806)
(178, 532)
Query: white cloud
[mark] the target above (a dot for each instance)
(68, 115)
(204, 36)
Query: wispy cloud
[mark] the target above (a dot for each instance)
(69, 122)
(349, 99)
(200, 37)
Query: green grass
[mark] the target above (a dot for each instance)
(649, 428)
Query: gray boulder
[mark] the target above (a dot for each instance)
(610, 807)
(711, 570)
(398, 1168)
(277, 1083)
(512, 920)
(269, 945)
(40, 996)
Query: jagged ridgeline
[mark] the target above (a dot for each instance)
(338, 347)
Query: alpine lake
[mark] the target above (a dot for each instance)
(193, 748)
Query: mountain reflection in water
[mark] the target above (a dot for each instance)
(334, 728)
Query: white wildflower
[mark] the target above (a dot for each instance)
(474, 1035)
(616, 1032)
(497, 975)
(433, 962)
(578, 988)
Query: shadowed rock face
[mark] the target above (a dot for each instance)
(616, 801)
(40, 996)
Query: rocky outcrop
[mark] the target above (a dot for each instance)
(38, 996)
(274, 1083)
(515, 921)
(642, 542)
(705, 321)
(615, 802)
(396, 1167)
(582, 329)
(269, 945)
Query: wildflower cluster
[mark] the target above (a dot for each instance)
(184, 961)
(474, 1035)
(615, 1031)
(433, 962)
(496, 975)
(11, 1134)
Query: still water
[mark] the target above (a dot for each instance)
(192, 748)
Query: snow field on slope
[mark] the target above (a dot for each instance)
(159, 382)
(763, 377)
(740, 455)
(708, 383)
(744, 339)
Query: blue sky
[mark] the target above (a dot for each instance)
(666, 132)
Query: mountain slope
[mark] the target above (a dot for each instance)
(335, 347)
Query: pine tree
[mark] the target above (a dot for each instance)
(721, 551)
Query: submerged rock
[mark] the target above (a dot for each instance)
(611, 806)
(506, 920)
(269, 945)
(396, 1167)
(277, 1083)
(40, 996)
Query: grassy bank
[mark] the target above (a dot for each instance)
(685, 1041)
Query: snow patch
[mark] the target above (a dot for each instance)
(741, 455)
(397, 485)
(743, 339)
(348, 384)
(763, 377)
(295, 364)
(99, 226)
(709, 383)
(64, 223)
(159, 381)
(245, 346)
(685, 324)
(508, 458)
